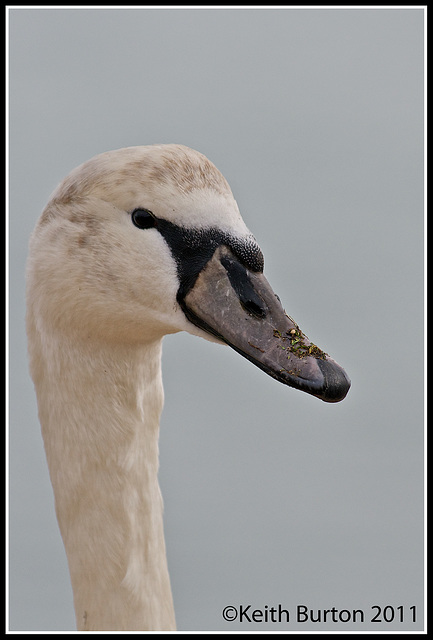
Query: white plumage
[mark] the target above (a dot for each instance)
(103, 288)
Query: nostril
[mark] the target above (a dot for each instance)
(244, 288)
(253, 307)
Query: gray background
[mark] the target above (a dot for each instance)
(315, 117)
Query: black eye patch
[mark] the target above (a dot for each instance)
(193, 248)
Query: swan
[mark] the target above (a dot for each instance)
(135, 244)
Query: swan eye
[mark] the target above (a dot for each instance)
(143, 219)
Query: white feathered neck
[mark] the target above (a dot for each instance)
(101, 438)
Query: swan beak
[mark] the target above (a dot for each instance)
(239, 307)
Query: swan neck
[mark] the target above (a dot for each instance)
(99, 409)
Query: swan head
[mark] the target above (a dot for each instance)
(145, 241)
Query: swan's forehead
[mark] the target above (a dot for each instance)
(174, 182)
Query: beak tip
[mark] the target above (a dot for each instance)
(336, 382)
